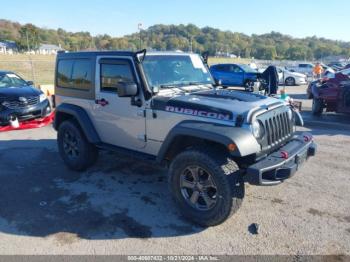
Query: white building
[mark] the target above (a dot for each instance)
(8, 47)
(46, 49)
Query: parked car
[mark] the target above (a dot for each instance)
(291, 78)
(328, 75)
(165, 108)
(332, 94)
(337, 66)
(235, 75)
(305, 68)
(327, 69)
(20, 100)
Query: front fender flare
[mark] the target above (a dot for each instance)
(221, 134)
(315, 90)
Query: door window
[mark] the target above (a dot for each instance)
(235, 69)
(224, 68)
(346, 72)
(113, 74)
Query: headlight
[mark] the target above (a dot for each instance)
(258, 129)
(42, 98)
(290, 114)
(5, 104)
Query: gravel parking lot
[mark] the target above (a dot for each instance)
(122, 206)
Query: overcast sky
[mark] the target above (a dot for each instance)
(299, 18)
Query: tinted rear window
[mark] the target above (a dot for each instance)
(75, 74)
(64, 72)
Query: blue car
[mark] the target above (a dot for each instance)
(234, 75)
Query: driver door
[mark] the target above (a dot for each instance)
(117, 121)
(343, 100)
(237, 75)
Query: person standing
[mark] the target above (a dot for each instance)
(272, 80)
(318, 70)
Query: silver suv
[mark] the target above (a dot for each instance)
(166, 108)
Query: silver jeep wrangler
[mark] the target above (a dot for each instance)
(166, 108)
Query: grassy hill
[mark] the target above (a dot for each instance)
(38, 68)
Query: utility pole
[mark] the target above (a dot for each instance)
(92, 44)
(140, 29)
(191, 44)
(27, 40)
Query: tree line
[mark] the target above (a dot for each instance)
(189, 37)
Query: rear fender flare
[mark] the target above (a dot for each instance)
(83, 119)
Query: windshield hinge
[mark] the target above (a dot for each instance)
(142, 137)
(141, 113)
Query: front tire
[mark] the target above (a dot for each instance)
(317, 107)
(77, 153)
(206, 185)
(249, 86)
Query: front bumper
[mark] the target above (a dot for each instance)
(40, 110)
(301, 81)
(282, 164)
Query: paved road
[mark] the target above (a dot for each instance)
(122, 206)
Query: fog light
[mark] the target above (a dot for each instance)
(307, 138)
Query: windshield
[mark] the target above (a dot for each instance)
(248, 69)
(346, 72)
(176, 70)
(11, 80)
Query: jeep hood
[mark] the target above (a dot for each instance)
(220, 101)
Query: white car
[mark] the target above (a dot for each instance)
(291, 78)
(306, 69)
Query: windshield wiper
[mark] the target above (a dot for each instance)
(199, 84)
(167, 86)
(181, 87)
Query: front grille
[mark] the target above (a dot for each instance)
(17, 104)
(278, 128)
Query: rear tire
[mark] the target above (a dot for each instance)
(218, 190)
(77, 153)
(317, 107)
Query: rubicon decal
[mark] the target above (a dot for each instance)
(200, 113)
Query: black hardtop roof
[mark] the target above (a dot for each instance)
(86, 54)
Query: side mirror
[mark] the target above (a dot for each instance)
(127, 89)
(30, 83)
(218, 82)
(155, 90)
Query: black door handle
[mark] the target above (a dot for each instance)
(101, 102)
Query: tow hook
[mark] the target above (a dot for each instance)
(14, 121)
